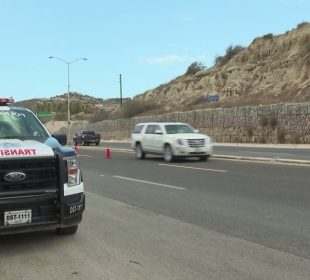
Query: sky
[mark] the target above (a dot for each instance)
(148, 42)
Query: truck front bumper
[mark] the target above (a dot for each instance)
(47, 212)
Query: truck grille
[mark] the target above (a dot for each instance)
(196, 143)
(41, 173)
(37, 191)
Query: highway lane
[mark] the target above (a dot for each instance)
(263, 203)
(243, 150)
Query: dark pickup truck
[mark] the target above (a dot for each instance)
(86, 138)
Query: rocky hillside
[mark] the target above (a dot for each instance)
(271, 69)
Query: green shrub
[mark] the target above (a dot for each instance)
(194, 68)
(268, 36)
(231, 51)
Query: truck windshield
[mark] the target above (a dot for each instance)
(20, 124)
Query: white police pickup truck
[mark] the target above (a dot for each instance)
(41, 185)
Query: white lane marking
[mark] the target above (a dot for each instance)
(149, 182)
(265, 153)
(85, 156)
(190, 167)
(102, 175)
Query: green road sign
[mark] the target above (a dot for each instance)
(44, 114)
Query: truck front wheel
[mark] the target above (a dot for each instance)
(67, 230)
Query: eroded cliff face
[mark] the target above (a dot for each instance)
(272, 69)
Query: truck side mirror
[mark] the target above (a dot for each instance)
(61, 138)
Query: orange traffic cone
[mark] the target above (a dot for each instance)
(76, 149)
(108, 153)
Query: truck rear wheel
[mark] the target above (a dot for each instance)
(67, 230)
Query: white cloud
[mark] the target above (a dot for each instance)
(169, 59)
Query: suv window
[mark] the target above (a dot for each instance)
(137, 129)
(152, 128)
(178, 128)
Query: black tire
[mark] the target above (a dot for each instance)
(168, 154)
(203, 158)
(97, 143)
(67, 230)
(87, 143)
(84, 143)
(139, 152)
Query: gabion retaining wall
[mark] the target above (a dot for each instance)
(279, 123)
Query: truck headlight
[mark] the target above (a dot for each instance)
(180, 142)
(73, 170)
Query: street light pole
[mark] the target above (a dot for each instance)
(68, 92)
(68, 97)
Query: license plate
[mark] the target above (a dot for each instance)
(17, 217)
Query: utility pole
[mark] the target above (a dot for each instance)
(120, 89)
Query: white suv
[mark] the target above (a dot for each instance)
(170, 139)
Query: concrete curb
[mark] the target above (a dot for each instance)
(241, 158)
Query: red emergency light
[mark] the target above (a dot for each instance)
(6, 101)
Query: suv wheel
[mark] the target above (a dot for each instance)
(168, 156)
(139, 152)
(203, 158)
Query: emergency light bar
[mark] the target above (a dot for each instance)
(6, 101)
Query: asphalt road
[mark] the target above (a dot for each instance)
(146, 219)
(243, 150)
(263, 203)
